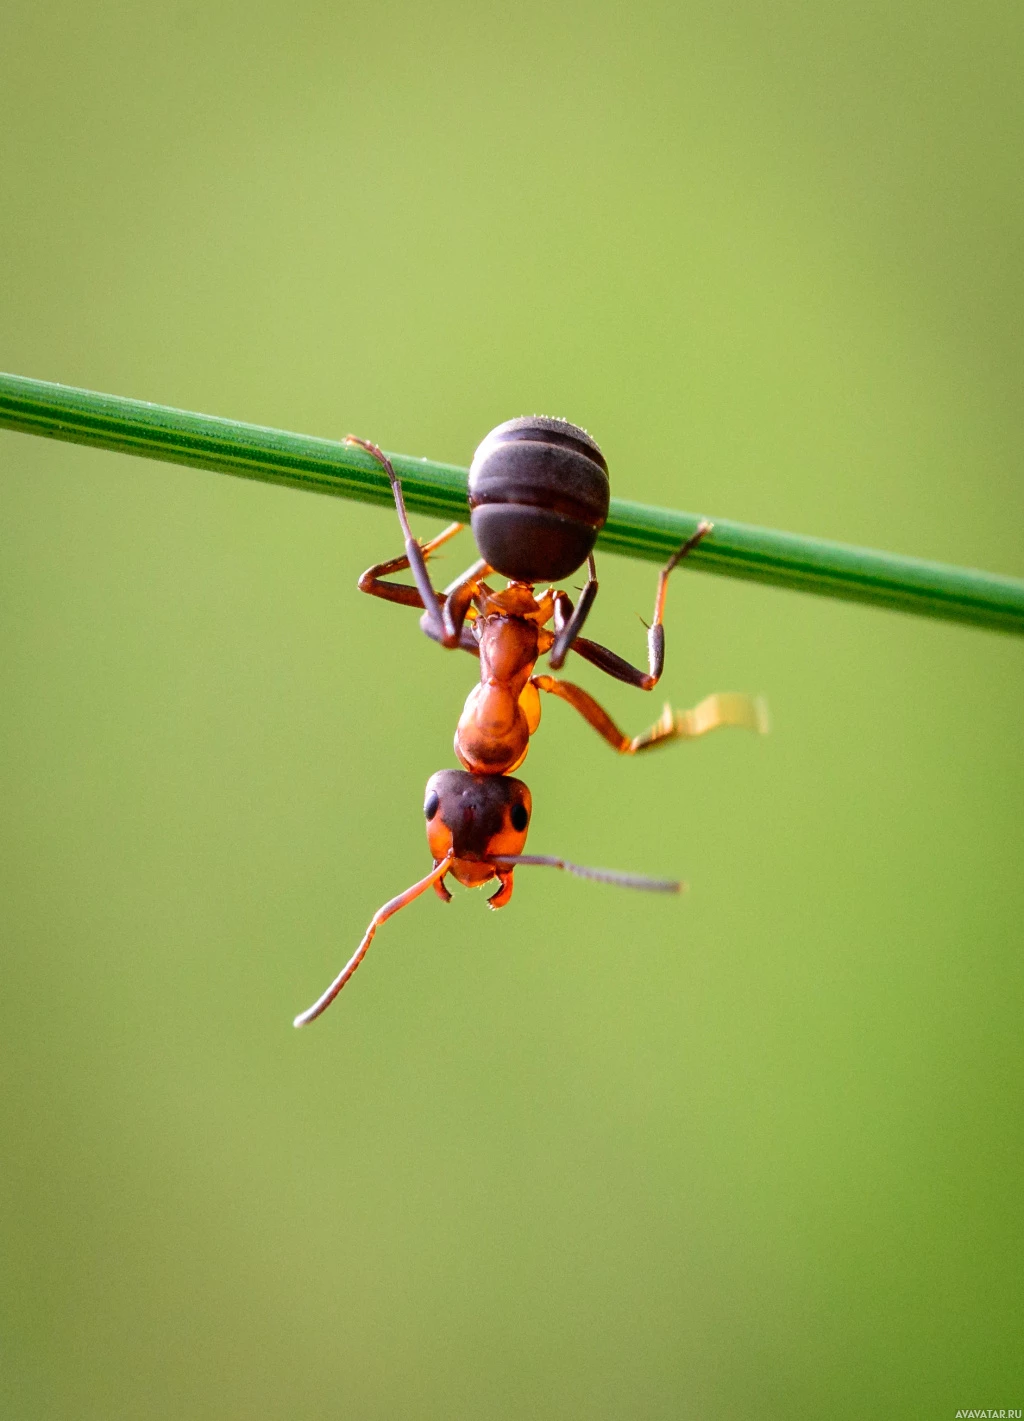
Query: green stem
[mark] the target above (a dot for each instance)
(634, 530)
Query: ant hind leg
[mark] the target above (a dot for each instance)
(372, 580)
(413, 551)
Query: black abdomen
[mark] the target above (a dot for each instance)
(538, 488)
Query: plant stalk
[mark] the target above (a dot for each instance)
(634, 530)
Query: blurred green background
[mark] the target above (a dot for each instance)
(757, 1152)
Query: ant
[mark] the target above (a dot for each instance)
(539, 496)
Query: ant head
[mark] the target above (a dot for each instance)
(538, 488)
(479, 817)
(476, 828)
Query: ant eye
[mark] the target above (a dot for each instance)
(432, 805)
(520, 817)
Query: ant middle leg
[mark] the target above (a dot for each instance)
(456, 604)
(618, 666)
(724, 708)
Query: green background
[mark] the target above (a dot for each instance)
(755, 1152)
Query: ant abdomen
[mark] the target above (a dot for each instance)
(538, 490)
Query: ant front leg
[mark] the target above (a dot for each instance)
(724, 708)
(618, 666)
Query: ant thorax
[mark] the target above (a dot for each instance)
(518, 600)
(502, 711)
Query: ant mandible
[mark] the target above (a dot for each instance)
(539, 496)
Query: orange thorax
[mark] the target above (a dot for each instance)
(502, 712)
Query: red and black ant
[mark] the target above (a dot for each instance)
(539, 495)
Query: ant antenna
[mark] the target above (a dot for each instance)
(599, 875)
(380, 916)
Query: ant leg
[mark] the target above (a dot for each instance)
(372, 580)
(617, 666)
(466, 642)
(456, 602)
(458, 599)
(725, 708)
(428, 597)
(567, 629)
